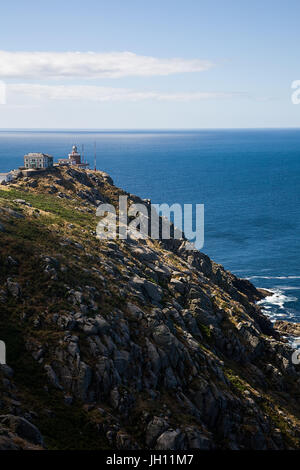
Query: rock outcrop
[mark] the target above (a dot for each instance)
(288, 328)
(129, 344)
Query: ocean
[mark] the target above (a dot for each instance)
(248, 180)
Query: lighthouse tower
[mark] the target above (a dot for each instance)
(74, 157)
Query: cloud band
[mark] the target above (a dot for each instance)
(102, 94)
(91, 65)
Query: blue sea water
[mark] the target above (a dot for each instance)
(248, 180)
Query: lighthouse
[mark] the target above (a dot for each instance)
(75, 157)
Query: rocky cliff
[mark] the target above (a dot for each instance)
(134, 344)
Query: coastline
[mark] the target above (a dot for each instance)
(205, 167)
(149, 344)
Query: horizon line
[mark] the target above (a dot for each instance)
(112, 129)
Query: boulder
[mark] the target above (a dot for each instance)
(22, 428)
(287, 328)
(171, 440)
(13, 288)
(148, 288)
(154, 429)
(12, 213)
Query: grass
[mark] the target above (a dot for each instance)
(70, 429)
(205, 330)
(280, 423)
(237, 383)
(49, 203)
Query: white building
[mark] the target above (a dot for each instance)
(7, 177)
(38, 160)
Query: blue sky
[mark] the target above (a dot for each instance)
(235, 64)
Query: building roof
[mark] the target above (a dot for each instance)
(38, 155)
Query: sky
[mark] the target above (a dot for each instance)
(137, 64)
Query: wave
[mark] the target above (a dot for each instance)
(277, 298)
(287, 288)
(273, 306)
(272, 277)
(294, 341)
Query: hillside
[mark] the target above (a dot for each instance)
(129, 344)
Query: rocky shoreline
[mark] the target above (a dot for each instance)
(132, 344)
(288, 328)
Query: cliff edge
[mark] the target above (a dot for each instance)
(133, 344)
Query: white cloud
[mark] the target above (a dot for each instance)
(91, 65)
(98, 93)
